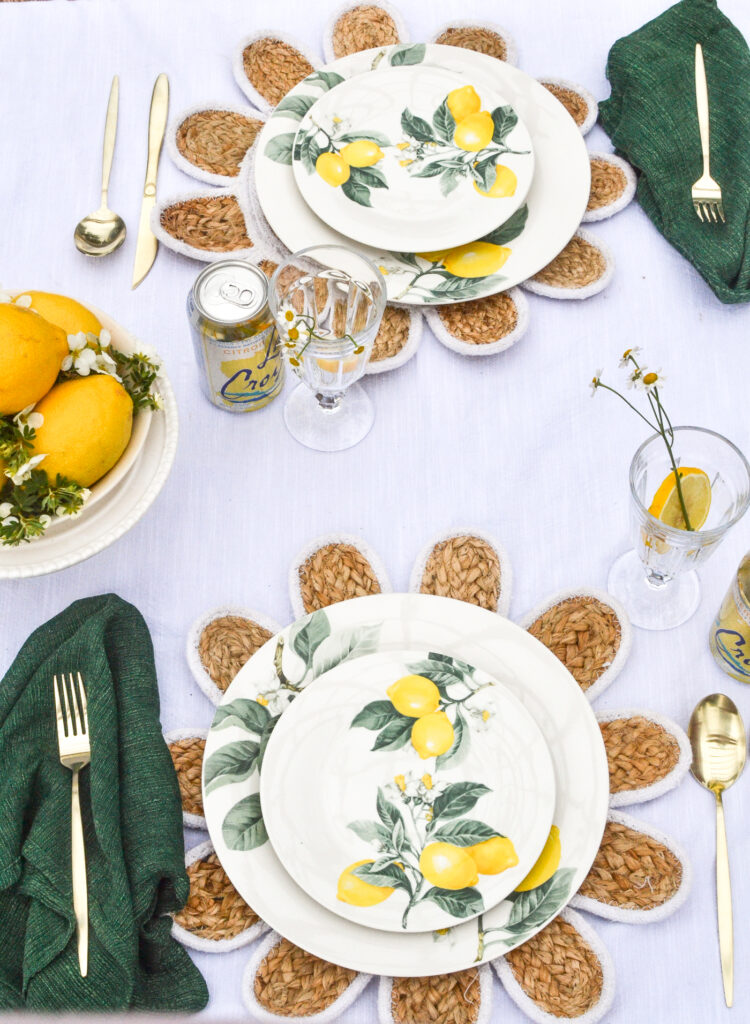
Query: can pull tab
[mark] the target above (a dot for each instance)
(236, 295)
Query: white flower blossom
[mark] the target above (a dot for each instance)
(45, 520)
(651, 380)
(5, 509)
(9, 520)
(104, 337)
(595, 381)
(625, 360)
(23, 472)
(634, 379)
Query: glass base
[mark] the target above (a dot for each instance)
(648, 606)
(329, 430)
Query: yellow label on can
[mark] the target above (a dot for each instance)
(244, 375)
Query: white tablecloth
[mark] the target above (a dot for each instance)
(512, 444)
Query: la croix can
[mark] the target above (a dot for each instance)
(235, 341)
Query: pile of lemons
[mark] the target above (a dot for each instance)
(86, 421)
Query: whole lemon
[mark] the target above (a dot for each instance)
(476, 259)
(494, 855)
(475, 131)
(357, 892)
(332, 168)
(503, 186)
(547, 863)
(414, 696)
(462, 102)
(63, 312)
(448, 866)
(87, 426)
(432, 734)
(362, 153)
(31, 354)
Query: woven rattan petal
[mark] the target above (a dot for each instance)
(579, 265)
(226, 644)
(442, 999)
(213, 223)
(574, 102)
(632, 870)
(583, 633)
(639, 752)
(466, 568)
(475, 37)
(187, 757)
(483, 321)
(363, 27)
(273, 67)
(335, 572)
(217, 140)
(558, 970)
(608, 183)
(214, 910)
(392, 335)
(292, 983)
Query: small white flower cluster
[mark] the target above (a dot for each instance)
(274, 700)
(87, 354)
(639, 377)
(26, 418)
(418, 789)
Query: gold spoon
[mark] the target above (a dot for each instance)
(717, 737)
(103, 231)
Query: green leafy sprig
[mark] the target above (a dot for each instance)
(27, 509)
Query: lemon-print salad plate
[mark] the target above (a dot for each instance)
(233, 767)
(407, 791)
(500, 257)
(412, 158)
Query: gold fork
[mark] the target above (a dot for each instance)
(706, 191)
(75, 753)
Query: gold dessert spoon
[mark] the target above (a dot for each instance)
(103, 231)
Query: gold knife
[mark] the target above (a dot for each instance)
(145, 251)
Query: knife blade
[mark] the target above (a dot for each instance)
(145, 250)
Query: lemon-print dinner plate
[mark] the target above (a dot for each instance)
(407, 791)
(283, 667)
(500, 257)
(413, 158)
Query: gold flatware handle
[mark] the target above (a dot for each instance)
(80, 891)
(701, 101)
(110, 133)
(724, 904)
(157, 124)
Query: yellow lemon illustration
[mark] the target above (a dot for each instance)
(87, 426)
(362, 153)
(476, 259)
(414, 696)
(547, 863)
(357, 892)
(474, 132)
(432, 734)
(462, 102)
(696, 492)
(503, 186)
(436, 256)
(448, 866)
(63, 312)
(494, 855)
(31, 354)
(332, 168)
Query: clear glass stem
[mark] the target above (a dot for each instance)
(329, 403)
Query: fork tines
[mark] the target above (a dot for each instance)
(71, 706)
(710, 209)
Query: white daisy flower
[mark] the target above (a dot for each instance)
(23, 472)
(625, 360)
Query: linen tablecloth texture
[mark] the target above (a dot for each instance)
(131, 818)
(652, 120)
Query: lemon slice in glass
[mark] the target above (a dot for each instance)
(696, 491)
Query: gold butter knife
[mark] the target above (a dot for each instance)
(145, 252)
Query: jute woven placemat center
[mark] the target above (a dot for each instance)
(273, 67)
(632, 870)
(363, 28)
(217, 140)
(583, 633)
(335, 572)
(574, 103)
(392, 334)
(608, 182)
(465, 568)
(187, 757)
(445, 999)
(215, 910)
(577, 266)
(639, 753)
(214, 223)
(474, 37)
(482, 321)
(226, 644)
(293, 983)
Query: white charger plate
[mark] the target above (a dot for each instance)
(343, 782)
(249, 710)
(510, 254)
(418, 189)
(122, 496)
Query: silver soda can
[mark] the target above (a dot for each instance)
(235, 342)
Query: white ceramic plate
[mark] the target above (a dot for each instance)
(382, 159)
(287, 663)
(349, 777)
(122, 496)
(517, 250)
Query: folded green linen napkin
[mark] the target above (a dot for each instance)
(131, 818)
(652, 120)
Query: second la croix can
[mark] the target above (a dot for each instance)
(235, 341)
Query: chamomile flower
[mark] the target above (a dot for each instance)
(652, 379)
(628, 355)
(595, 382)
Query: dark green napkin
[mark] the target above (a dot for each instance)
(131, 818)
(652, 120)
